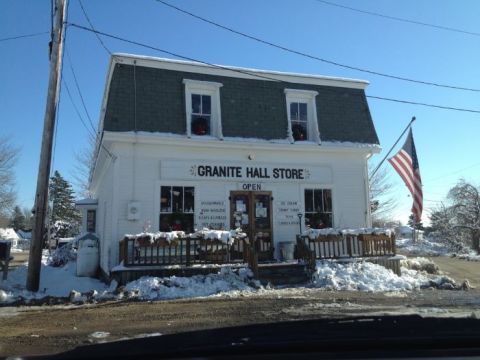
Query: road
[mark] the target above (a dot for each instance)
(459, 269)
(48, 329)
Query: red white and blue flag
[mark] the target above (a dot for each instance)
(405, 163)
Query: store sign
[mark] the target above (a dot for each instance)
(171, 169)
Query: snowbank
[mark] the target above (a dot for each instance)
(54, 281)
(425, 247)
(226, 281)
(365, 276)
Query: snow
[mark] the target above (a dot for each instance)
(365, 276)
(226, 281)
(361, 83)
(313, 233)
(54, 281)
(152, 237)
(424, 247)
(226, 237)
(8, 234)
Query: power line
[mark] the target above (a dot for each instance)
(77, 111)
(92, 27)
(424, 104)
(452, 173)
(441, 27)
(313, 57)
(24, 36)
(79, 91)
(254, 74)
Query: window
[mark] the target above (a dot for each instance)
(177, 208)
(202, 100)
(201, 114)
(299, 120)
(302, 115)
(91, 220)
(318, 208)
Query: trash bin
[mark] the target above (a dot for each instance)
(286, 250)
(87, 255)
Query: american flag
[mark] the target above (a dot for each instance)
(405, 163)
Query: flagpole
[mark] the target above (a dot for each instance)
(396, 142)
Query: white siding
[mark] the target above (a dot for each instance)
(137, 176)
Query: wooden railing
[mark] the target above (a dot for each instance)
(344, 246)
(305, 254)
(182, 251)
(251, 257)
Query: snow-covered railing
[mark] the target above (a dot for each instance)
(340, 243)
(177, 248)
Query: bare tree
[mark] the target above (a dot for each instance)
(8, 158)
(382, 201)
(465, 199)
(84, 161)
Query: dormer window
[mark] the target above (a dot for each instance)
(302, 115)
(202, 100)
(299, 120)
(201, 114)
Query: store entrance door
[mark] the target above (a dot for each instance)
(252, 211)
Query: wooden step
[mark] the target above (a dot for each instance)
(282, 273)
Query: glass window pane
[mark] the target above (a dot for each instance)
(302, 111)
(262, 212)
(200, 124)
(206, 104)
(177, 199)
(318, 201)
(196, 103)
(165, 199)
(91, 220)
(165, 222)
(327, 200)
(189, 199)
(294, 111)
(308, 200)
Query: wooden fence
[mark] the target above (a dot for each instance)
(182, 251)
(345, 246)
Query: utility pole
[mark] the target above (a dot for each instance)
(41, 195)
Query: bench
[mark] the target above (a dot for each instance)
(5, 257)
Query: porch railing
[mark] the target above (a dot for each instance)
(182, 251)
(345, 246)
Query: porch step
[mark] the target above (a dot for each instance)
(282, 273)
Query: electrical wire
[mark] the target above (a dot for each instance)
(264, 77)
(24, 36)
(93, 28)
(396, 18)
(313, 57)
(80, 92)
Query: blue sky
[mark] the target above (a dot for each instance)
(447, 141)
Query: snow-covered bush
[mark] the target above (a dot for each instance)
(420, 264)
(62, 255)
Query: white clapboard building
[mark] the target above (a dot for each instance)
(184, 146)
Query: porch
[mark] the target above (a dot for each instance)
(146, 255)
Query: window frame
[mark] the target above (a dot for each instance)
(171, 210)
(212, 89)
(308, 97)
(313, 212)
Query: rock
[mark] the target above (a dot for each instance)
(3, 296)
(466, 285)
(447, 286)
